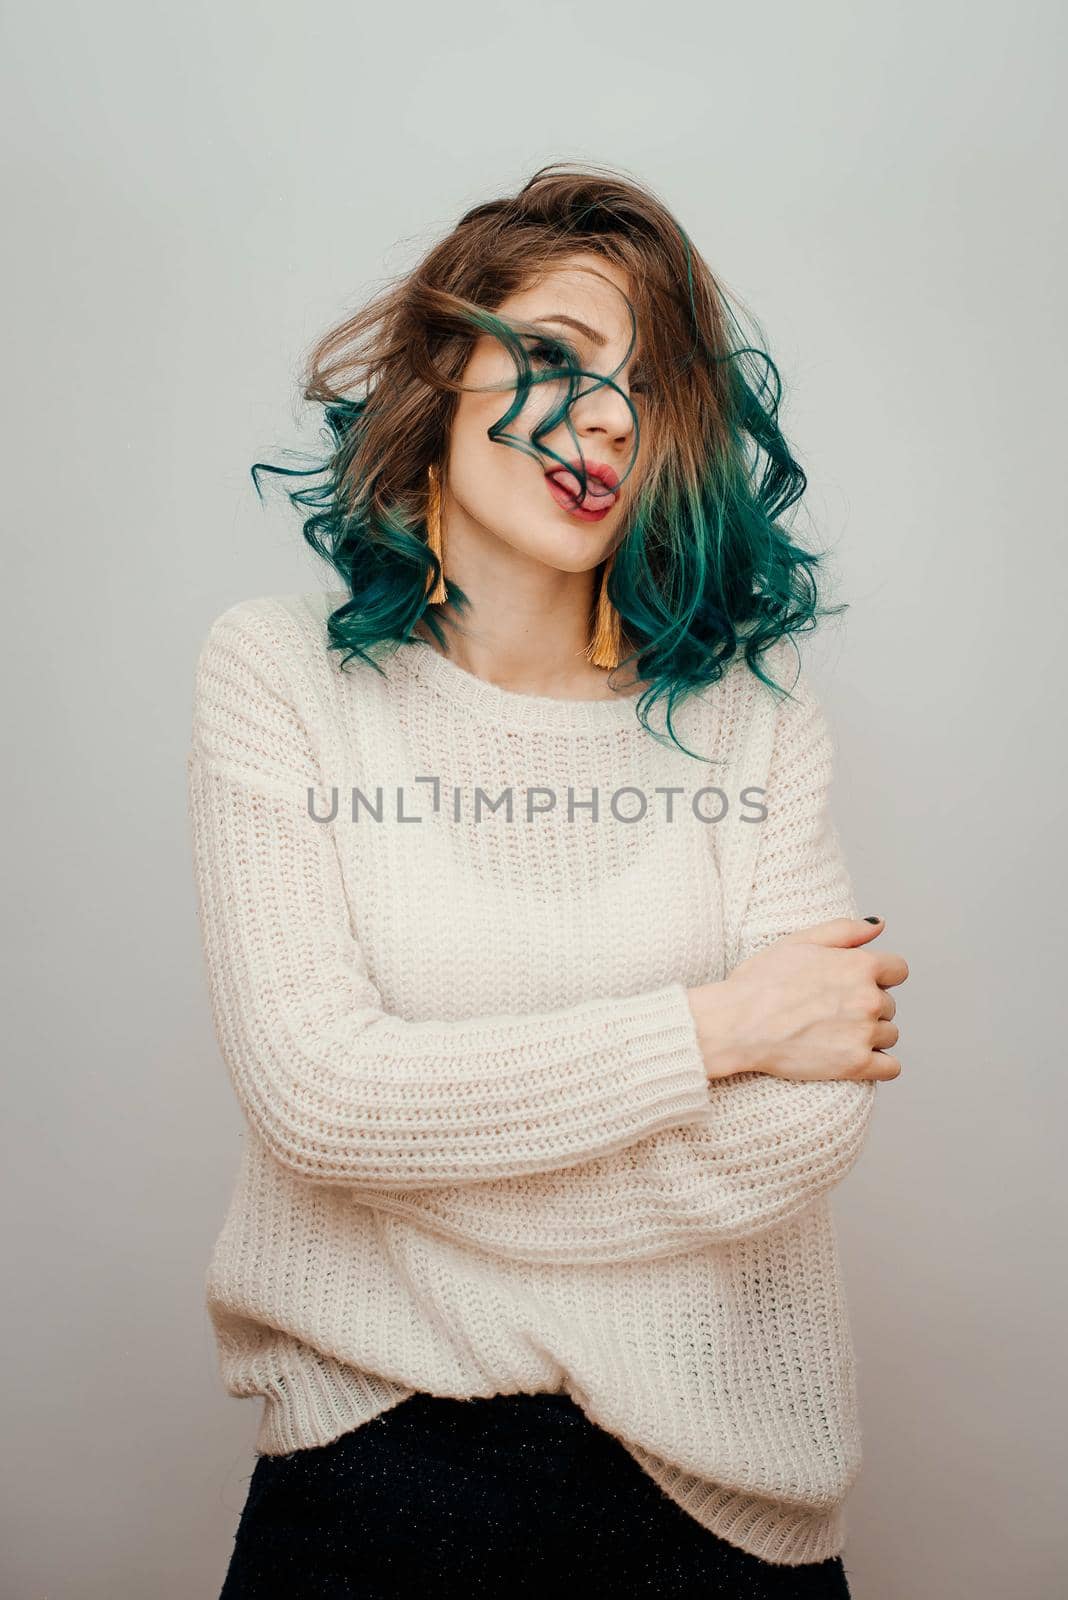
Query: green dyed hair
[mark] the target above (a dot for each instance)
(705, 566)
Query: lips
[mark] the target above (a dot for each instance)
(601, 485)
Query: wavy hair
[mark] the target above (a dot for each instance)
(704, 566)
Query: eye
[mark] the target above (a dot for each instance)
(546, 353)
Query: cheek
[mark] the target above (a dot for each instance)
(491, 481)
(472, 450)
(478, 412)
(473, 455)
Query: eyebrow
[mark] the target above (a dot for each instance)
(580, 327)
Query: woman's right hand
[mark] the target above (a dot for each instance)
(812, 1006)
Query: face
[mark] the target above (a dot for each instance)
(501, 491)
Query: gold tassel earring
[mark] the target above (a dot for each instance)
(435, 536)
(605, 649)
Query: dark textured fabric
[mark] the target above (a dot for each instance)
(513, 1495)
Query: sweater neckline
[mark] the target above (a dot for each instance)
(490, 702)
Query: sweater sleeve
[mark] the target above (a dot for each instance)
(341, 1091)
(763, 1148)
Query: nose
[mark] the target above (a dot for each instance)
(602, 414)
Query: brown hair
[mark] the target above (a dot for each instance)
(409, 346)
(703, 566)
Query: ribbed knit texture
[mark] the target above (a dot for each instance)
(483, 1155)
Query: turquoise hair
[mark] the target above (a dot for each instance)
(706, 569)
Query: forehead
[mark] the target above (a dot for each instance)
(585, 286)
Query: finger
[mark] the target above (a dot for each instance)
(888, 1007)
(843, 932)
(884, 1035)
(890, 968)
(883, 1067)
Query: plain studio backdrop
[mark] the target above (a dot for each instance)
(192, 195)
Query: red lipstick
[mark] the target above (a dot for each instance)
(565, 486)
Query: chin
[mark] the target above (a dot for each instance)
(566, 544)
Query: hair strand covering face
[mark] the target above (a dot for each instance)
(704, 567)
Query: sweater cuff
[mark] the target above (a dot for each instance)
(663, 1070)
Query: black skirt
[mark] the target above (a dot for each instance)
(511, 1495)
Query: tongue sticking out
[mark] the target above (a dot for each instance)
(598, 496)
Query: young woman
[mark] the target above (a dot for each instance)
(532, 952)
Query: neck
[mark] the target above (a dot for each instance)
(527, 627)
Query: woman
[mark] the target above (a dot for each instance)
(532, 952)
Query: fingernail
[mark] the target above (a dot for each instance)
(873, 919)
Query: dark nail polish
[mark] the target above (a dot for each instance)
(873, 919)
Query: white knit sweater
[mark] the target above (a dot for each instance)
(482, 1154)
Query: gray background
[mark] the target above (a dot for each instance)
(192, 194)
